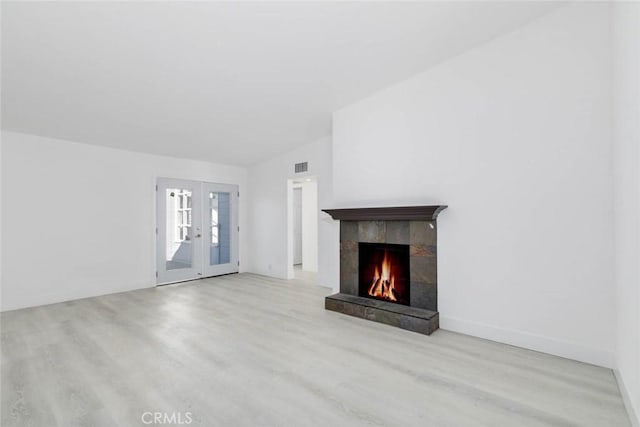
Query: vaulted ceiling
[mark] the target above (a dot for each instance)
(229, 82)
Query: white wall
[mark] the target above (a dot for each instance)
(79, 220)
(515, 137)
(626, 160)
(268, 221)
(310, 215)
(1, 150)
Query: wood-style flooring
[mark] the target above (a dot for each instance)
(246, 350)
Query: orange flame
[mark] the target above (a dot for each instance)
(382, 285)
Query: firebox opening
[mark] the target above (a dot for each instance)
(384, 272)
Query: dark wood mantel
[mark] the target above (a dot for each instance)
(400, 213)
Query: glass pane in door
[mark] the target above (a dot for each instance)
(179, 252)
(220, 228)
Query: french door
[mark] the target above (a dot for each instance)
(197, 229)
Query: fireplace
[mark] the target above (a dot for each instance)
(384, 272)
(388, 266)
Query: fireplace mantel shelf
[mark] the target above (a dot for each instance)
(400, 213)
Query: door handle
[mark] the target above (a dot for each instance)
(198, 235)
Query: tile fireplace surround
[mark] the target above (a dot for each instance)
(414, 226)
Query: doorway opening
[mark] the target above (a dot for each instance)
(303, 228)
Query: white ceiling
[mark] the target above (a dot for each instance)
(231, 82)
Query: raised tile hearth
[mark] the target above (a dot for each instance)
(388, 266)
(402, 316)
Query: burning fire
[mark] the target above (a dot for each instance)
(382, 285)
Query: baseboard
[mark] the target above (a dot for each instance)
(632, 411)
(57, 297)
(529, 341)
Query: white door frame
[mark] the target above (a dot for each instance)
(291, 183)
(297, 225)
(200, 238)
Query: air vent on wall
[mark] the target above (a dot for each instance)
(302, 167)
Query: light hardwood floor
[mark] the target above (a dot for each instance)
(245, 350)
